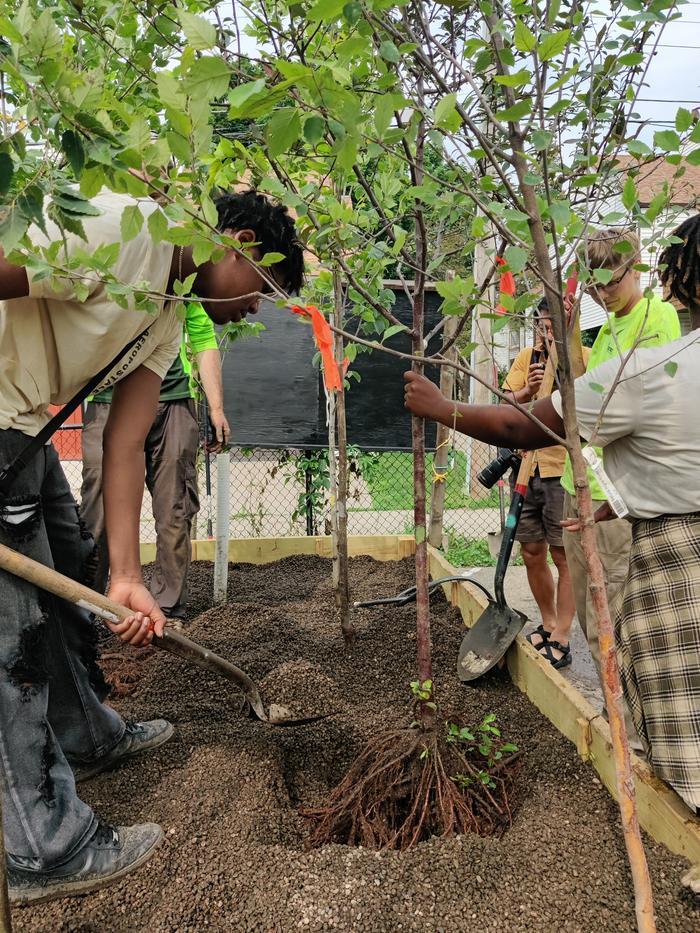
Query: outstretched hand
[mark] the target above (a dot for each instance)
(603, 514)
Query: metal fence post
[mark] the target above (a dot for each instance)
(308, 501)
(223, 470)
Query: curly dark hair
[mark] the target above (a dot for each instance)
(681, 262)
(273, 227)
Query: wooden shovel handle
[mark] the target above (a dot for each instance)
(54, 582)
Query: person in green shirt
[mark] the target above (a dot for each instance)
(171, 462)
(634, 320)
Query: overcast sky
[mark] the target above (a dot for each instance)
(675, 72)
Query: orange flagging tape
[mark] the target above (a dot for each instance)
(324, 342)
(507, 284)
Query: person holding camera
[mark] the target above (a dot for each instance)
(539, 530)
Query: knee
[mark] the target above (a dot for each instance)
(534, 555)
(559, 559)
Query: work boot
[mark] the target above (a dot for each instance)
(110, 854)
(138, 737)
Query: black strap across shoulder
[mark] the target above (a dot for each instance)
(10, 473)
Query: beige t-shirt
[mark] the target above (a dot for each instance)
(51, 343)
(650, 430)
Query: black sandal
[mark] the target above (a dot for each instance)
(547, 651)
(542, 632)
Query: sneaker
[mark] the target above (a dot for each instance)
(138, 737)
(110, 854)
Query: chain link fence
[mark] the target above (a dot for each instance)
(276, 493)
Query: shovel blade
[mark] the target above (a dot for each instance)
(488, 639)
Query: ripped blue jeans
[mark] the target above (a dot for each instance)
(51, 688)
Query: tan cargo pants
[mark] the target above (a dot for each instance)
(171, 478)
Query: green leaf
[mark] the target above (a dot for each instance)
(604, 276)
(516, 112)
(326, 10)
(671, 368)
(553, 44)
(693, 158)
(73, 147)
(44, 39)
(541, 139)
(199, 32)
(72, 202)
(179, 146)
(13, 226)
(657, 204)
(271, 259)
(446, 111)
(597, 387)
(553, 11)
(169, 90)
(91, 181)
(93, 127)
(7, 169)
(638, 148)
(282, 131)
(389, 52)
(516, 257)
(131, 222)
(524, 38)
(560, 213)
(629, 193)
(238, 96)
(384, 112)
(393, 329)
(209, 77)
(631, 58)
(684, 119)
(667, 140)
(516, 79)
(157, 225)
(695, 135)
(314, 128)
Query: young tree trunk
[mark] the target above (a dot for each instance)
(441, 461)
(340, 562)
(423, 647)
(570, 364)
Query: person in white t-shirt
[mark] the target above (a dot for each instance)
(54, 728)
(649, 431)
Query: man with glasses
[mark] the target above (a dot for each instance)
(634, 320)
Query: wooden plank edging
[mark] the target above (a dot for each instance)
(662, 813)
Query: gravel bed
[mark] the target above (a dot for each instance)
(227, 790)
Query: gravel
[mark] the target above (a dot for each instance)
(227, 790)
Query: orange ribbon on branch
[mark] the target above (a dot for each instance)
(507, 284)
(324, 341)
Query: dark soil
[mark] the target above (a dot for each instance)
(226, 789)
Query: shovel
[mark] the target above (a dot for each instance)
(498, 625)
(56, 583)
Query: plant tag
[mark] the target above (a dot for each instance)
(605, 483)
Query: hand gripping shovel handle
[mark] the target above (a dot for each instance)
(54, 582)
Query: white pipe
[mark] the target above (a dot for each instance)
(223, 471)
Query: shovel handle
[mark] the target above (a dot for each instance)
(46, 578)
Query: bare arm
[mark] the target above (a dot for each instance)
(500, 425)
(13, 280)
(209, 365)
(131, 415)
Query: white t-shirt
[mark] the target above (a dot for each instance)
(650, 429)
(52, 344)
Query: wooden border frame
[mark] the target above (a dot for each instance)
(661, 811)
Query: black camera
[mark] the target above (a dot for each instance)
(507, 459)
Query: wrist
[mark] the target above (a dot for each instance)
(129, 578)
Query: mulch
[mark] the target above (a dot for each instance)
(228, 790)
